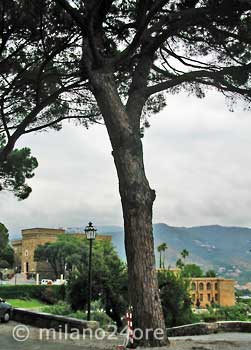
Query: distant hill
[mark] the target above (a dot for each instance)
(224, 249)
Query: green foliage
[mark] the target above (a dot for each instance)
(181, 261)
(192, 270)
(48, 296)
(210, 273)
(8, 255)
(103, 319)
(26, 304)
(109, 272)
(175, 298)
(239, 312)
(34, 85)
(162, 249)
(184, 253)
(30, 292)
(109, 280)
(4, 264)
(180, 264)
(4, 237)
(15, 169)
(61, 253)
(44, 74)
(6, 251)
(61, 308)
(245, 301)
(64, 309)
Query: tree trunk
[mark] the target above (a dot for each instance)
(160, 259)
(6, 150)
(137, 200)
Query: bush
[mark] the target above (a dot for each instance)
(239, 312)
(102, 318)
(33, 292)
(4, 264)
(175, 298)
(64, 309)
(61, 308)
(48, 296)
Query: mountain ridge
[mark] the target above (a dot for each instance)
(225, 249)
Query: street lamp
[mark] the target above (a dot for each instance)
(90, 232)
(16, 275)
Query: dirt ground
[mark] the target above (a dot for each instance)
(34, 341)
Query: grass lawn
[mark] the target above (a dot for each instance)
(26, 304)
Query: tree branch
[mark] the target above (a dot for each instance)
(20, 130)
(44, 126)
(78, 18)
(193, 76)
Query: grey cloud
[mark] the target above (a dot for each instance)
(196, 155)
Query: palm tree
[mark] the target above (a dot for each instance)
(184, 253)
(160, 256)
(162, 248)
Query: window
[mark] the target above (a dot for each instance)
(201, 286)
(216, 297)
(201, 297)
(216, 286)
(209, 286)
(193, 286)
(193, 297)
(209, 297)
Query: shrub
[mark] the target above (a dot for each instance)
(102, 318)
(31, 292)
(48, 296)
(64, 309)
(61, 308)
(239, 312)
(4, 264)
(175, 299)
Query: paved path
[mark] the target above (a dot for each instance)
(223, 341)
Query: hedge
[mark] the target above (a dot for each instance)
(32, 292)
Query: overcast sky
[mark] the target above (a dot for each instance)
(197, 157)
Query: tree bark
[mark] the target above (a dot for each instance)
(137, 201)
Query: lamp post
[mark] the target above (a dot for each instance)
(15, 275)
(90, 232)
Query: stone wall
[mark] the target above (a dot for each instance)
(209, 328)
(48, 321)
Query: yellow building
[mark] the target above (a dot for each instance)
(209, 291)
(31, 238)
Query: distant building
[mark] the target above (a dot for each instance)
(210, 291)
(31, 238)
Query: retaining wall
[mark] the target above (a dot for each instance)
(44, 320)
(209, 328)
